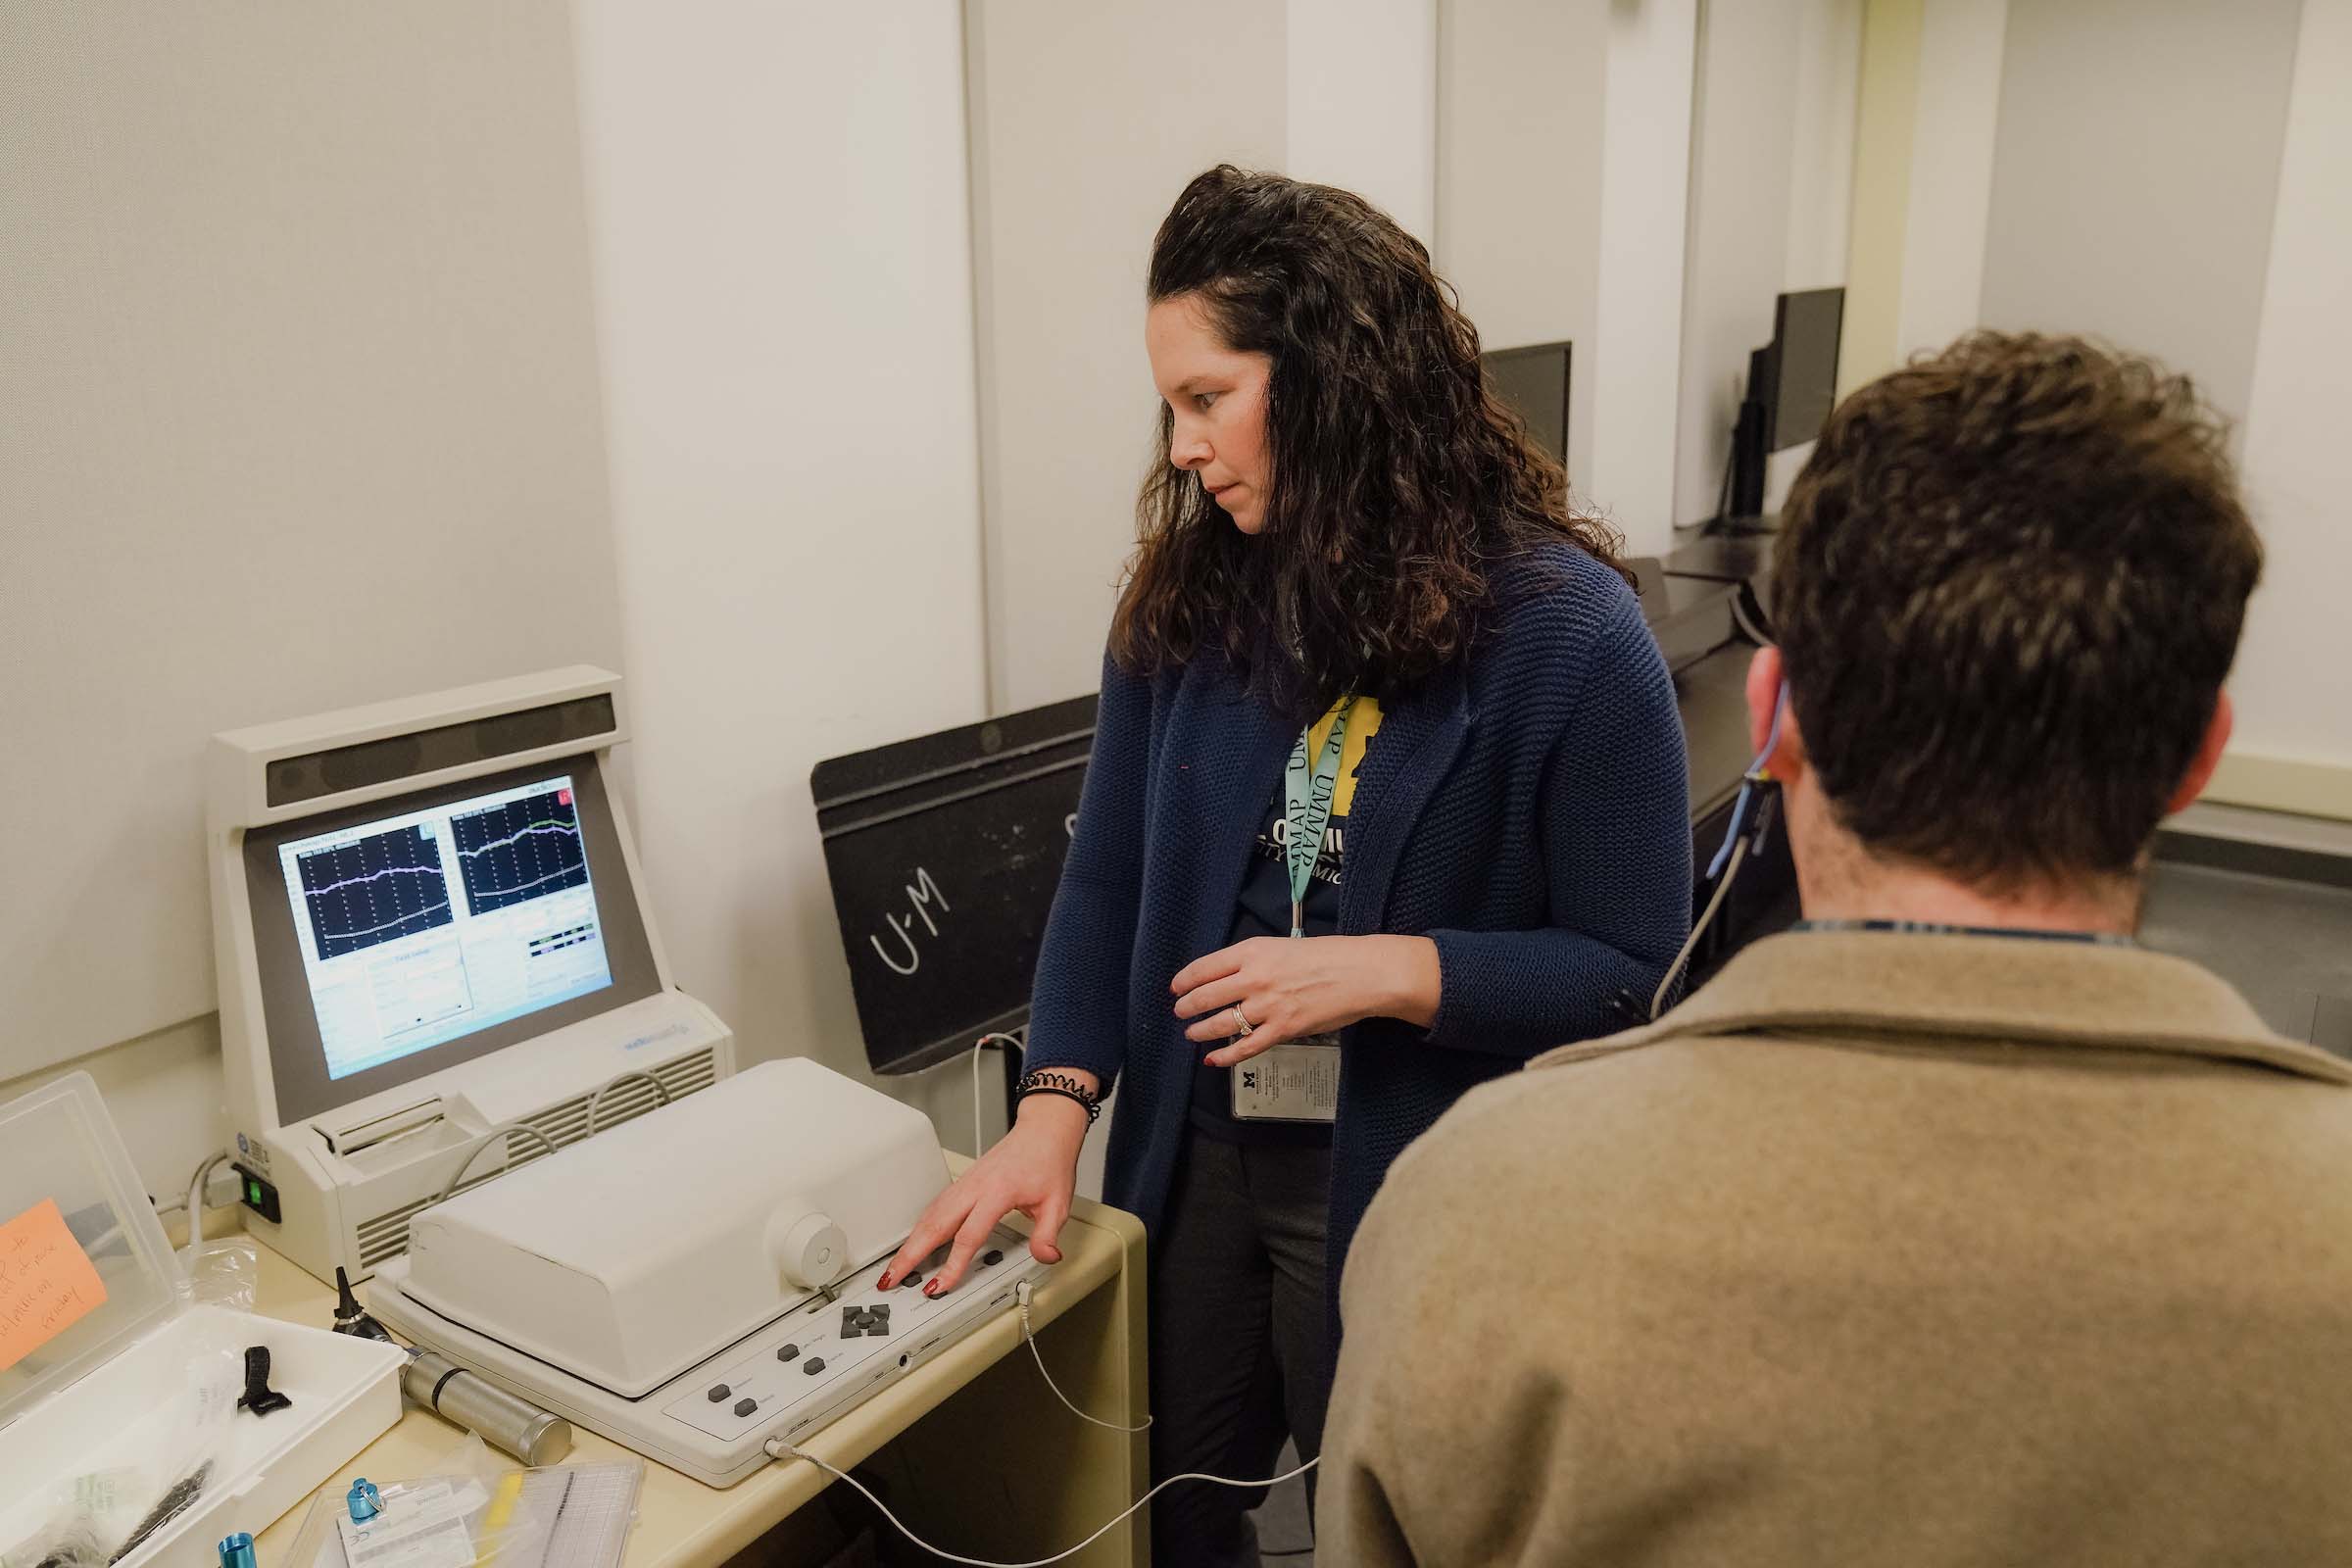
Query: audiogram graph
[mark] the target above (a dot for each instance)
(519, 850)
(375, 889)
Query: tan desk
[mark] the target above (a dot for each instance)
(991, 1464)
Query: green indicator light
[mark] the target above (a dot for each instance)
(253, 1191)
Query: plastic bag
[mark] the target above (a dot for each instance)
(151, 1475)
(483, 1490)
(226, 1273)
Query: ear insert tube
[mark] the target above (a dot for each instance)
(514, 1425)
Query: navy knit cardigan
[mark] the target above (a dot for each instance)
(1527, 810)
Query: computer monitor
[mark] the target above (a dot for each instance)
(403, 936)
(1805, 331)
(1534, 381)
(1791, 385)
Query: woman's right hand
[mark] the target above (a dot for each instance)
(1033, 1169)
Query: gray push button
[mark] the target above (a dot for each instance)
(719, 1391)
(746, 1406)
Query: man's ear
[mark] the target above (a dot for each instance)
(1764, 677)
(2200, 766)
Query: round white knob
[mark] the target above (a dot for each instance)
(811, 1252)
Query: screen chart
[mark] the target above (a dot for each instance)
(425, 927)
(521, 849)
(378, 889)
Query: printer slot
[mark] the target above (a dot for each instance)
(406, 1147)
(364, 1134)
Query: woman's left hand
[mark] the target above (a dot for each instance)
(1293, 987)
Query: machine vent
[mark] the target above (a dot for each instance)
(386, 1236)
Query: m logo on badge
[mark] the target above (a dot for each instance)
(1248, 1078)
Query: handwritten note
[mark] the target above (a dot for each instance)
(46, 1282)
(922, 893)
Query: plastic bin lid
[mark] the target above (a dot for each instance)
(84, 1268)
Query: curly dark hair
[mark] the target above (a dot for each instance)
(1398, 479)
(2008, 587)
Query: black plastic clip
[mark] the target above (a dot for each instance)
(260, 1398)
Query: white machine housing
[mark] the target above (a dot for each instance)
(685, 1230)
(349, 1177)
(702, 1278)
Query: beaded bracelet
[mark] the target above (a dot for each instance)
(1046, 1081)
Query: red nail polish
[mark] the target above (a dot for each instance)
(931, 1289)
(882, 1283)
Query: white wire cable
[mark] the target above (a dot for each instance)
(615, 1082)
(1029, 1335)
(979, 1146)
(489, 1138)
(778, 1449)
(1682, 960)
(195, 1205)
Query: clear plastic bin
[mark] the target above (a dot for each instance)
(92, 1410)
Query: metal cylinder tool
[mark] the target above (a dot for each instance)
(514, 1425)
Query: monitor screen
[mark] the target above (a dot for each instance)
(1804, 341)
(430, 925)
(396, 937)
(1534, 381)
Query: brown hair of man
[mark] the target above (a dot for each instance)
(2008, 587)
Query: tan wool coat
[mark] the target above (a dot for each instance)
(1884, 1247)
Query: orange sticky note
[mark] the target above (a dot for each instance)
(46, 1282)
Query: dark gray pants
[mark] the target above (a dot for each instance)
(1241, 1351)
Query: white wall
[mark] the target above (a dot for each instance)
(297, 411)
(2293, 684)
(1644, 187)
(2136, 175)
(2055, 182)
(1362, 103)
(1086, 120)
(1952, 140)
(783, 281)
(1522, 91)
(1771, 161)
(1827, 84)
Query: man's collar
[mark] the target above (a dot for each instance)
(1978, 988)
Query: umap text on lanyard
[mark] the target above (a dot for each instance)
(1306, 799)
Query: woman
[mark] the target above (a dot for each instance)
(1386, 795)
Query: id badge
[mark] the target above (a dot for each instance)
(1298, 1082)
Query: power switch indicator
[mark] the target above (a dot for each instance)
(257, 1193)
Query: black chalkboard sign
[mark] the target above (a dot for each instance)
(944, 853)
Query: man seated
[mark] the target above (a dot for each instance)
(1951, 1227)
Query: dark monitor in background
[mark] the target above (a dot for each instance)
(1805, 330)
(1534, 381)
(1791, 385)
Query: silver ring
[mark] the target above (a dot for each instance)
(1242, 1018)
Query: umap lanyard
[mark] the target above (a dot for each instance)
(1307, 798)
